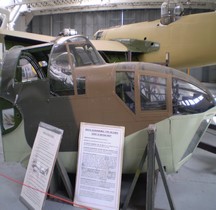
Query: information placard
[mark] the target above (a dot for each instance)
(99, 170)
(40, 166)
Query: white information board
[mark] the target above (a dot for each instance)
(99, 169)
(40, 166)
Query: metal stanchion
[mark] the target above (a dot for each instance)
(151, 153)
(150, 167)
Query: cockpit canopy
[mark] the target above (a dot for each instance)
(171, 10)
(75, 51)
(67, 54)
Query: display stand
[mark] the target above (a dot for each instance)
(151, 153)
(61, 173)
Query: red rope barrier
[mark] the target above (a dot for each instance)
(48, 194)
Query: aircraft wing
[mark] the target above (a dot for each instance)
(12, 38)
(111, 46)
(126, 45)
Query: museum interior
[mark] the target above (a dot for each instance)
(107, 104)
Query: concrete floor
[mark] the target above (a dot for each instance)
(193, 187)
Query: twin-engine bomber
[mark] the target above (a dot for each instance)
(66, 82)
(189, 41)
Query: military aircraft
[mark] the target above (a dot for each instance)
(182, 42)
(66, 81)
(187, 41)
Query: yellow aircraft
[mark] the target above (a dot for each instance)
(187, 41)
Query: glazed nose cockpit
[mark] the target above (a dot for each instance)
(188, 98)
(153, 90)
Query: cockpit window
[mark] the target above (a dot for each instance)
(152, 93)
(66, 55)
(84, 55)
(189, 99)
(125, 88)
(61, 80)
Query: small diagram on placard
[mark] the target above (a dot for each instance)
(38, 168)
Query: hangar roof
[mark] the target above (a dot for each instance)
(40, 7)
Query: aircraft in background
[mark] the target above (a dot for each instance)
(189, 41)
(65, 81)
(175, 41)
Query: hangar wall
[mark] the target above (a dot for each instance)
(87, 23)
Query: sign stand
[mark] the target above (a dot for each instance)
(61, 173)
(151, 152)
(41, 165)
